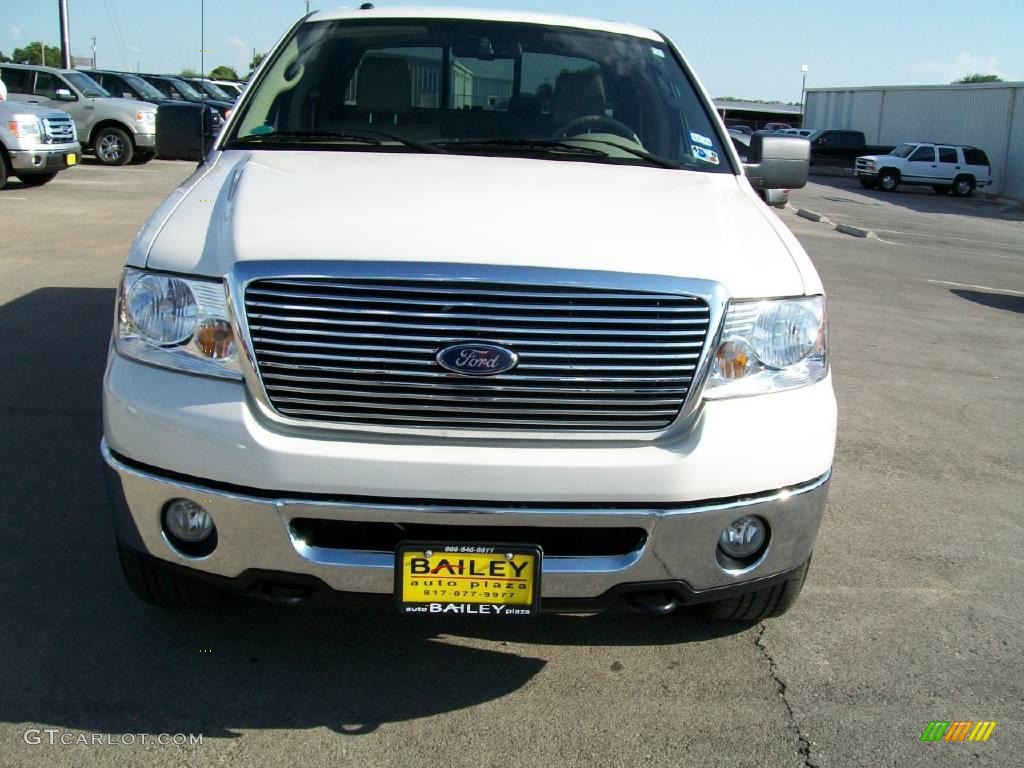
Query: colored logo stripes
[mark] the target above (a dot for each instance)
(958, 730)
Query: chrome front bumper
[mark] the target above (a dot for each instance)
(254, 533)
(48, 160)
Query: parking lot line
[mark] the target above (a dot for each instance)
(979, 287)
(947, 237)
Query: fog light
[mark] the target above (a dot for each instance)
(187, 521)
(743, 538)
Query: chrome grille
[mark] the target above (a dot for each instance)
(58, 130)
(362, 351)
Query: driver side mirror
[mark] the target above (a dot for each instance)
(63, 94)
(778, 162)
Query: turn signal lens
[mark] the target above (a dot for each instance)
(216, 339)
(734, 360)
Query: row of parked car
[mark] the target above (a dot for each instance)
(51, 115)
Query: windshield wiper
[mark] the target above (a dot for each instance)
(527, 145)
(641, 153)
(364, 136)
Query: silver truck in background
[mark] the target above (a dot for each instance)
(35, 143)
(118, 131)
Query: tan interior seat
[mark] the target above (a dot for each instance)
(578, 94)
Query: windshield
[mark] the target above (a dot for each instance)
(145, 89)
(481, 87)
(89, 87)
(903, 150)
(215, 92)
(185, 89)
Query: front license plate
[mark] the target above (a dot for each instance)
(474, 579)
(72, 158)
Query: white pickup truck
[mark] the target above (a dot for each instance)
(472, 313)
(35, 143)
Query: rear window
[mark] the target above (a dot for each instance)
(975, 157)
(17, 80)
(947, 155)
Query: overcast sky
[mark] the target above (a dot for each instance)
(740, 48)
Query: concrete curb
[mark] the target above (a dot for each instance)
(812, 216)
(846, 229)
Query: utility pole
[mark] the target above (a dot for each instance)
(307, 6)
(803, 90)
(65, 35)
(94, 53)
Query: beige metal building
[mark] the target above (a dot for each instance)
(987, 115)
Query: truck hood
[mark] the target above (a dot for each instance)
(8, 109)
(336, 206)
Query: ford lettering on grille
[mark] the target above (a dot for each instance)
(477, 359)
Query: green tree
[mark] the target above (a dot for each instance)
(977, 77)
(256, 62)
(30, 54)
(188, 72)
(223, 73)
(3, 58)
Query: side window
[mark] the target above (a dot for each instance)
(975, 157)
(923, 155)
(47, 84)
(17, 80)
(948, 155)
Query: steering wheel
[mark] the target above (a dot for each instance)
(589, 124)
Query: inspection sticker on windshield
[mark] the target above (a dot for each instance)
(707, 155)
(702, 140)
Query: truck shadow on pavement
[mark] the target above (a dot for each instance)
(994, 300)
(80, 653)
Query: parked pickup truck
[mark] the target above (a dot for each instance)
(943, 167)
(118, 131)
(472, 312)
(836, 147)
(35, 143)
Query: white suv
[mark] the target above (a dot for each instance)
(943, 167)
(472, 313)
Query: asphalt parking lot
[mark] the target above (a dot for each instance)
(913, 610)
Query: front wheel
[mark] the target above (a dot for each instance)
(113, 146)
(760, 604)
(4, 173)
(37, 179)
(889, 180)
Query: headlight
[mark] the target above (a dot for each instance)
(768, 346)
(145, 118)
(176, 322)
(24, 127)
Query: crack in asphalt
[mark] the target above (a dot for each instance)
(773, 669)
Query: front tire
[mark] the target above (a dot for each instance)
(889, 180)
(760, 604)
(163, 587)
(113, 146)
(37, 179)
(963, 186)
(4, 173)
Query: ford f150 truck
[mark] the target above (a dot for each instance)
(35, 143)
(118, 131)
(472, 313)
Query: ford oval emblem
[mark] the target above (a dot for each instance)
(479, 359)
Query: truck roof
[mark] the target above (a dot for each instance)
(478, 14)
